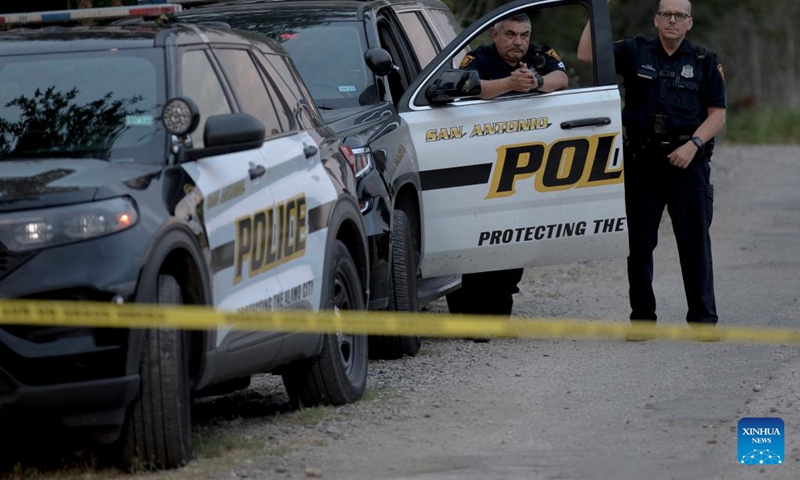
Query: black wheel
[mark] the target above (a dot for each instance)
(402, 292)
(338, 375)
(158, 428)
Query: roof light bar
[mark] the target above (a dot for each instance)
(87, 14)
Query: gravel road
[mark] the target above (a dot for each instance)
(563, 408)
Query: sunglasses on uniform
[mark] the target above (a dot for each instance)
(678, 16)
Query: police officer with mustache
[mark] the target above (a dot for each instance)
(510, 65)
(513, 64)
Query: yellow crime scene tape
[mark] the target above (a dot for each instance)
(192, 317)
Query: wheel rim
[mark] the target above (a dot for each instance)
(342, 300)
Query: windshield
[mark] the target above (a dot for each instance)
(102, 105)
(330, 59)
(327, 48)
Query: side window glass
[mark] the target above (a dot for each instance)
(449, 28)
(420, 37)
(200, 83)
(398, 79)
(249, 88)
(447, 23)
(558, 27)
(287, 83)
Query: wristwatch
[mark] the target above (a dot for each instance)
(539, 80)
(698, 141)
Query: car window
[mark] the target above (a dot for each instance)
(419, 35)
(400, 78)
(330, 59)
(299, 103)
(558, 27)
(449, 28)
(200, 83)
(286, 83)
(447, 24)
(249, 88)
(101, 105)
(327, 48)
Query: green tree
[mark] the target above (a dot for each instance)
(757, 42)
(50, 121)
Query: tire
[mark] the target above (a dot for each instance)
(402, 292)
(158, 428)
(338, 375)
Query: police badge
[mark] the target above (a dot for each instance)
(687, 72)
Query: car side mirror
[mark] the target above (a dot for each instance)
(379, 61)
(229, 133)
(451, 84)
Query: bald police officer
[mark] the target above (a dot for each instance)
(674, 106)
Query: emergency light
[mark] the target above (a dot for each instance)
(87, 14)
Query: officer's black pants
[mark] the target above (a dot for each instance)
(486, 293)
(651, 183)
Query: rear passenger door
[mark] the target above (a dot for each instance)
(528, 179)
(301, 189)
(235, 189)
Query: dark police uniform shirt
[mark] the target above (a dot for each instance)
(491, 66)
(680, 88)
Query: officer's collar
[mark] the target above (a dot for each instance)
(684, 48)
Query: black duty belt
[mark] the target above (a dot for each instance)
(664, 143)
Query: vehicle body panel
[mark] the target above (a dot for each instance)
(512, 182)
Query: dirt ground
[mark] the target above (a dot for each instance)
(550, 408)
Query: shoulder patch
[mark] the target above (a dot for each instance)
(466, 61)
(721, 73)
(553, 54)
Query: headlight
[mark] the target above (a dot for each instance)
(50, 227)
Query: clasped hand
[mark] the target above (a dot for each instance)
(522, 79)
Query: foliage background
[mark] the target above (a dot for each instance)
(757, 41)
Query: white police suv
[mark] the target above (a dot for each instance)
(175, 164)
(516, 181)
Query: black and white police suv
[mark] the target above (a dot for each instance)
(174, 164)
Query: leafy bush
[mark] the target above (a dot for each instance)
(763, 126)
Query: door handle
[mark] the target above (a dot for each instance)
(310, 150)
(586, 122)
(256, 171)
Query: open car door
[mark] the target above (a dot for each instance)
(524, 179)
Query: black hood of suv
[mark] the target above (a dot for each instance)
(26, 184)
